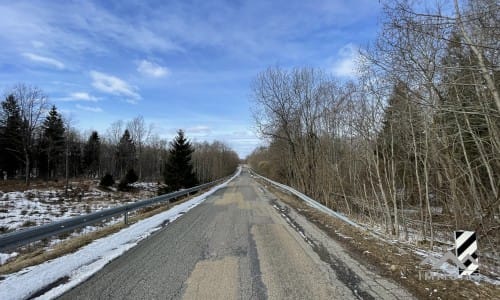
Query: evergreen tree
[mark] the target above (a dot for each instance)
(11, 129)
(91, 154)
(395, 139)
(401, 138)
(129, 178)
(125, 155)
(465, 107)
(178, 168)
(107, 180)
(75, 156)
(52, 142)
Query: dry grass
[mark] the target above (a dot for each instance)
(40, 255)
(19, 185)
(37, 254)
(388, 260)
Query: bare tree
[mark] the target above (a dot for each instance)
(140, 134)
(34, 104)
(115, 131)
(214, 160)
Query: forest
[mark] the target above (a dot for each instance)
(38, 143)
(412, 143)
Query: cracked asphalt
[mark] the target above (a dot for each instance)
(240, 243)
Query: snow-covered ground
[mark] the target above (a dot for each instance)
(35, 207)
(80, 265)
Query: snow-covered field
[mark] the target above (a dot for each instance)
(80, 265)
(40, 206)
(35, 207)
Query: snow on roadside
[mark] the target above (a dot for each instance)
(82, 264)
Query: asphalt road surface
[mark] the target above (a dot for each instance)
(238, 244)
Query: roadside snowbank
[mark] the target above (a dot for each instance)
(80, 265)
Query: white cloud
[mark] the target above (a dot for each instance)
(45, 60)
(151, 69)
(199, 130)
(346, 63)
(83, 96)
(89, 108)
(79, 96)
(113, 85)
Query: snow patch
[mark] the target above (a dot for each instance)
(4, 257)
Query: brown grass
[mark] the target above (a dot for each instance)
(16, 185)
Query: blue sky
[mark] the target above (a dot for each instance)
(179, 64)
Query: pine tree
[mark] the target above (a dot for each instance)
(11, 129)
(125, 156)
(91, 153)
(178, 168)
(52, 142)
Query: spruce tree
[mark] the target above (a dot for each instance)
(53, 142)
(75, 155)
(11, 129)
(125, 153)
(178, 168)
(91, 154)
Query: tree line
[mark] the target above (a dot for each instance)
(414, 138)
(36, 141)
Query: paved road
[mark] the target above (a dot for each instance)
(237, 245)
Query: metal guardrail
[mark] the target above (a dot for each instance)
(315, 204)
(22, 237)
(311, 202)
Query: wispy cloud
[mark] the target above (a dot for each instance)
(199, 130)
(78, 27)
(79, 96)
(89, 108)
(44, 60)
(113, 85)
(152, 69)
(345, 65)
